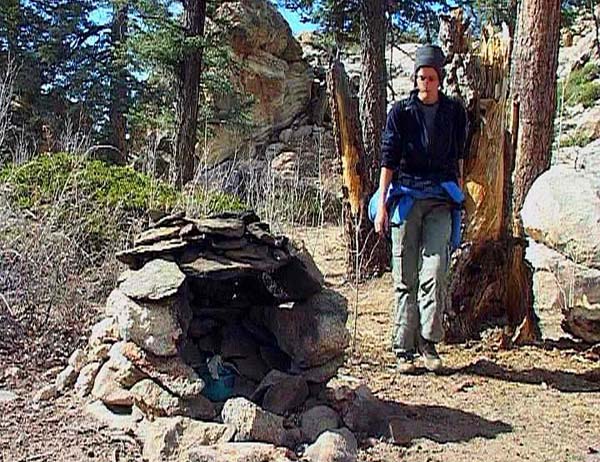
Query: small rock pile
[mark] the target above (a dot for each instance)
(219, 333)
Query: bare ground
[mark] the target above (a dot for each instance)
(539, 403)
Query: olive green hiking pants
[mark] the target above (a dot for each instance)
(419, 266)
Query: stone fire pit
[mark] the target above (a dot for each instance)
(218, 332)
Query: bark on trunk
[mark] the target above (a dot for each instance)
(534, 87)
(118, 90)
(478, 284)
(355, 178)
(490, 277)
(535, 58)
(188, 90)
(374, 255)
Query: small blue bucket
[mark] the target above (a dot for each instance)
(219, 389)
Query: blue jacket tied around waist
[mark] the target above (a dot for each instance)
(400, 199)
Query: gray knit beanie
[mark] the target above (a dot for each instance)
(430, 56)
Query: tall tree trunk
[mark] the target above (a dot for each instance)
(118, 88)
(478, 286)
(194, 16)
(371, 251)
(491, 278)
(535, 60)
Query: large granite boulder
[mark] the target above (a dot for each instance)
(312, 332)
(562, 210)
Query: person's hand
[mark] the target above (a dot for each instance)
(381, 221)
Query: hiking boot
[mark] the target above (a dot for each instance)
(405, 363)
(431, 359)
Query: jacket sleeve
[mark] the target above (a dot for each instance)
(461, 130)
(391, 141)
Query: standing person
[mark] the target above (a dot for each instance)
(421, 169)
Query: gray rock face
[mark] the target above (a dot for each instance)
(155, 327)
(254, 424)
(333, 446)
(270, 69)
(312, 332)
(281, 392)
(155, 401)
(156, 280)
(241, 452)
(317, 420)
(66, 378)
(124, 422)
(169, 437)
(562, 210)
(85, 380)
(171, 373)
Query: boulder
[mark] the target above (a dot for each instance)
(167, 437)
(285, 164)
(323, 373)
(589, 123)
(153, 235)
(66, 378)
(103, 332)
(311, 332)
(253, 423)
(562, 211)
(125, 420)
(280, 392)
(361, 411)
(317, 420)
(240, 452)
(156, 280)
(45, 393)
(78, 359)
(7, 396)
(137, 256)
(155, 326)
(85, 380)
(112, 383)
(155, 401)
(298, 279)
(333, 446)
(564, 286)
(172, 374)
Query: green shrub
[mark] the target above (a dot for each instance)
(580, 86)
(98, 199)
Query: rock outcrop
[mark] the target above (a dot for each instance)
(270, 70)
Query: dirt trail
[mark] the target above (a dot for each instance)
(535, 403)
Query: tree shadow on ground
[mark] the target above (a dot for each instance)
(568, 382)
(440, 424)
(403, 423)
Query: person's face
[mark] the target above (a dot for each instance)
(428, 84)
